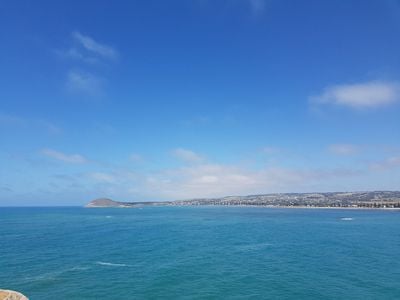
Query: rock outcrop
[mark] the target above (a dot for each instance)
(11, 295)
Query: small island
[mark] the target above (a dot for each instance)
(105, 202)
(375, 199)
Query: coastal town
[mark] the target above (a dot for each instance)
(373, 199)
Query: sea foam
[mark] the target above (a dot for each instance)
(102, 263)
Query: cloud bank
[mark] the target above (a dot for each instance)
(198, 177)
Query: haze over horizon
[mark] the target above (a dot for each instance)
(169, 100)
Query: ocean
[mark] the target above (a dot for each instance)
(200, 253)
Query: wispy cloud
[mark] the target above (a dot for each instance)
(272, 150)
(50, 127)
(93, 47)
(13, 121)
(67, 158)
(257, 6)
(85, 51)
(343, 149)
(372, 94)
(386, 164)
(187, 155)
(85, 83)
(10, 120)
(103, 177)
(76, 54)
(135, 157)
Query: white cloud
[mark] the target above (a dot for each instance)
(370, 94)
(68, 158)
(343, 149)
(84, 82)
(90, 45)
(187, 155)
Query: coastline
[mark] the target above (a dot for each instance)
(330, 200)
(295, 207)
(340, 208)
(255, 206)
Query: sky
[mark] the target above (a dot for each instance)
(163, 100)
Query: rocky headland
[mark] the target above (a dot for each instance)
(105, 202)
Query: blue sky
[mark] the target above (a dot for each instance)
(161, 100)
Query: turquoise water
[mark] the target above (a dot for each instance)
(200, 253)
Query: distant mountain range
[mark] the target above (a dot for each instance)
(375, 199)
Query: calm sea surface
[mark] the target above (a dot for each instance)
(200, 253)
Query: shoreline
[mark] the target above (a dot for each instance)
(296, 207)
(351, 208)
(255, 206)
